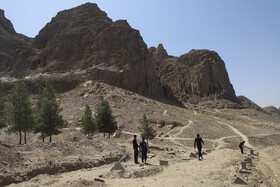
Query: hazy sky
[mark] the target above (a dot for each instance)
(245, 33)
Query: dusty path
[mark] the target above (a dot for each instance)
(209, 172)
(244, 137)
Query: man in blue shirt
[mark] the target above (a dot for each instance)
(144, 148)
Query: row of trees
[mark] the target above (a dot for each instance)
(19, 117)
(103, 120)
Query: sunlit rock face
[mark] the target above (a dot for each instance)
(195, 76)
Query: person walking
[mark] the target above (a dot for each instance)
(197, 143)
(144, 149)
(135, 149)
(241, 145)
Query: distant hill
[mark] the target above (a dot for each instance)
(272, 110)
(249, 104)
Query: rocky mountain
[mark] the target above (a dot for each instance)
(194, 75)
(249, 104)
(82, 44)
(14, 47)
(272, 110)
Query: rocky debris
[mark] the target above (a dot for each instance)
(272, 110)
(219, 104)
(117, 166)
(247, 103)
(238, 180)
(192, 76)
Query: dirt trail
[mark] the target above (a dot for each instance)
(244, 137)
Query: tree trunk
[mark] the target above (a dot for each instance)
(109, 135)
(43, 137)
(24, 137)
(50, 138)
(19, 137)
(104, 134)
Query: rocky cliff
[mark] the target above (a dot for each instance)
(195, 76)
(82, 44)
(14, 48)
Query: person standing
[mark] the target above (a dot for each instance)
(197, 142)
(135, 149)
(144, 148)
(241, 145)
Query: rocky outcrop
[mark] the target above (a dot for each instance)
(84, 44)
(247, 103)
(84, 39)
(272, 110)
(14, 48)
(195, 76)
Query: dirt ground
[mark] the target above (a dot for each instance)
(76, 160)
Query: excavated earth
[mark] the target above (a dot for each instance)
(73, 159)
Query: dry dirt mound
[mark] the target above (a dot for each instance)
(21, 163)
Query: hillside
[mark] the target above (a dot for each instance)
(72, 154)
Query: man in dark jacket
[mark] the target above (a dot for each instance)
(241, 145)
(144, 149)
(135, 148)
(197, 142)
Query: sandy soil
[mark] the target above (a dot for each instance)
(75, 160)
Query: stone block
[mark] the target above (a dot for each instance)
(163, 163)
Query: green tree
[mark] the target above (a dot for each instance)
(88, 123)
(103, 117)
(2, 106)
(49, 120)
(146, 130)
(39, 126)
(20, 116)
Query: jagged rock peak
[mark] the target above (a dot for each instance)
(200, 56)
(82, 17)
(5, 24)
(158, 53)
(245, 102)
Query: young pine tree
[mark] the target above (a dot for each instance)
(20, 117)
(146, 130)
(39, 126)
(48, 117)
(2, 106)
(88, 123)
(103, 117)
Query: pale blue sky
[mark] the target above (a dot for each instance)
(245, 33)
